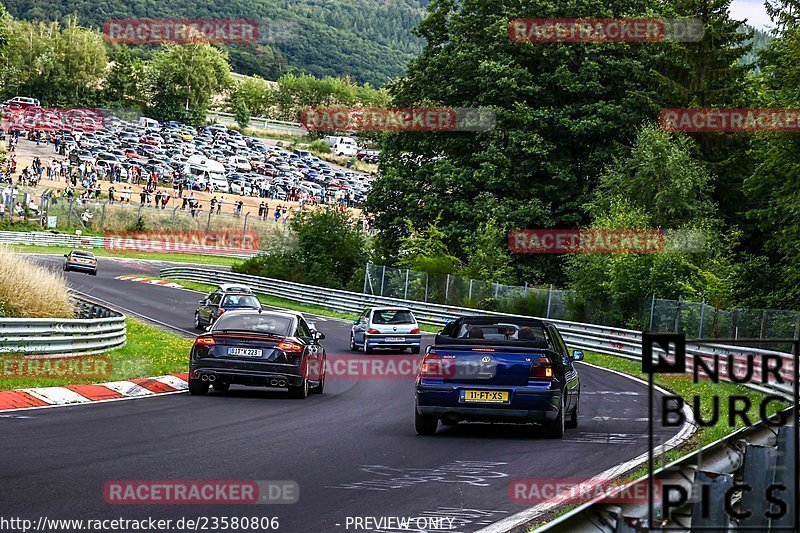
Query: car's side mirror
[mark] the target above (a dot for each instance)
(208, 327)
(577, 355)
(318, 335)
(66, 255)
(355, 322)
(203, 302)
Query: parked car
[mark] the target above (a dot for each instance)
(385, 328)
(224, 298)
(80, 261)
(259, 348)
(498, 369)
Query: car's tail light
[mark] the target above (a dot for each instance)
(287, 346)
(414, 331)
(541, 369)
(205, 341)
(373, 331)
(431, 365)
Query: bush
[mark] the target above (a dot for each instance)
(31, 290)
(328, 250)
(320, 146)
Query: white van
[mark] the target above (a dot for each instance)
(346, 146)
(149, 124)
(200, 166)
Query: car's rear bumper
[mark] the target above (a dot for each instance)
(261, 377)
(82, 266)
(527, 404)
(381, 341)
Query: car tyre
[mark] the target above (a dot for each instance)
(301, 392)
(198, 387)
(66, 268)
(555, 429)
(197, 324)
(221, 387)
(572, 423)
(317, 389)
(367, 348)
(353, 345)
(94, 272)
(425, 425)
(415, 350)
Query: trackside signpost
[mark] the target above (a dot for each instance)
(766, 496)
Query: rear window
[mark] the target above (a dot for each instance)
(83, 254)
(500, 331)
(255, 322)
(240, 300)
(387, 316)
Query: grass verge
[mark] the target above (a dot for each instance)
(150, 351)
(100, 252)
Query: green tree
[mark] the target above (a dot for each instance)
(241, 113)
(426, 251)
(125, 81)
(659, 176)
(487, 255)
(183, 79)
(562, 111)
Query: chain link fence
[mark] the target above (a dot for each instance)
(696, 319)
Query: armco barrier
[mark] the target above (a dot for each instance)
(41, 238)
(98, 330)
(758, 456)
(602, 339)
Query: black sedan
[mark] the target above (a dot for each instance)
(258, 348)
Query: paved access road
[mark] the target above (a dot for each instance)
(353, 450)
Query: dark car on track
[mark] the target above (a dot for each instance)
(498, 369)
(227, 297)
(258, 348)
(80, 261)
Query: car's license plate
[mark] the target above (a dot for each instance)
(394, 339)
(245, 352)
(485, 396)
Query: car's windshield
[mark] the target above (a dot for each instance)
(499, 331)
(255, 322)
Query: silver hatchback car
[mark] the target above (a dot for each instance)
(387, 328)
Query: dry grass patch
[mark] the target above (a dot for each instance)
(31, 290)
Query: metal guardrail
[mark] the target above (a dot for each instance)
(41, 238)
(294, 127)
(758, 455)
(98, 330)
(601, 339)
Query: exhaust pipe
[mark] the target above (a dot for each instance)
(274, 382)
(281, 383)
(212, 377)
(204, 377)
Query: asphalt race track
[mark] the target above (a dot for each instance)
(353, 450)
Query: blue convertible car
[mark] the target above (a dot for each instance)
(498, 369)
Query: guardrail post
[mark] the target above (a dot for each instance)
(759, 468)
(549, 300)
(470, 289)
(702, 315)
(405, 293)
(366, 278)
(652, 309)
(711, 514)
(383, 277)
(496, 289)
(678, 314)
(426, 287)
(446, 288)
(784, 475)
